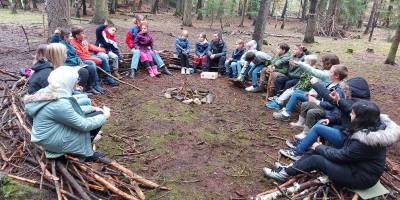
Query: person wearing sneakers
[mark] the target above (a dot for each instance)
(144, 42)
(232, 65)
(182, 47)
(258, 61)
(84, 49)
(357, 159)
(105, 38)
(60, 125)
(216, 53)
(199, 59)
(279, 67)
(303, 84)
(328, 61)
(251, 46)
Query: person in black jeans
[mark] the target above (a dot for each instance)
(216, 53)
(362, 157)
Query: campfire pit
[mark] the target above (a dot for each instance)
(189, 95)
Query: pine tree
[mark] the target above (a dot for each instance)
(261, 22)
(100, 11)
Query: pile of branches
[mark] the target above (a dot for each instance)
(314, 186)
(68, 177)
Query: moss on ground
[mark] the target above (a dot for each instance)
(19, 191)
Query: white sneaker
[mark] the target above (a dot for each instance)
(301, 135)
(250, 89)
(183, 70)
(188, 71)
(98, 137)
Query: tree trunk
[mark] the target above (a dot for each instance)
(187, 13)
(57, 15)
(322, 7)
(200, 5)
(19, 4)
(371, 16)
(84, 11)
(34, 5)
(100, 11)
(389, 13)
(139, 7)
(261, 21)
(374, 23)
(13, 6)
(112, 6)
(331, 17)
(284, 9)
(395, 46)
(90, 3)
(179, 6)
(154, 8)
(273, 8)
(243, 13)
(27, 6)
(304, 10)
(311, 22)
(361, 19)
(78, 8)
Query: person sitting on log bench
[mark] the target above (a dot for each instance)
(182, 47)
(360, 161)
(130, 43)
(60, 125)
(232, 65)
(199, 59)
(216, 53)
(105, 38)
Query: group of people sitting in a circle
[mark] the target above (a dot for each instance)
(343, 132)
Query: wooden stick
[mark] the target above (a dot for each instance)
(26, 37)
(56, 183)
(73, 182)
(269, 83)
(108, 74)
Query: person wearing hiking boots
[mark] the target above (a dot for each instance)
(182, 47)
(216, 53)
(232, 65)
(84, 49)
(303, 84)
(74, 60)
(60, 126)
(357, 160)
(199, 59)
(257, 61)
(279, 66)
(105, 38)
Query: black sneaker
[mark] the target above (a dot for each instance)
(95, 157)
(292, 143)
(290, 153)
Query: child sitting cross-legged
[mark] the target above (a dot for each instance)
(200, 56)
(182, 47)
(357, 159)
(232, 65)
(303, 84)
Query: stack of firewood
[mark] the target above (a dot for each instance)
(69, 178)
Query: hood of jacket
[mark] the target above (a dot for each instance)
(41, 64)
(382, 137)
(35, 102)
(359, 88)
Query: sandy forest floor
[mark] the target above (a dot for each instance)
(211, 151)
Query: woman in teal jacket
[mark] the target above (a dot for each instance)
(60, 125)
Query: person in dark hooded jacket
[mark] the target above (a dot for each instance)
(42, 68)
(360, 162)
(216, 53)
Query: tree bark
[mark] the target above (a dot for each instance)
(273, 8)
(27, 5)
(100, 11)
(19, 4)
(395, 46)
(243, 13)
(187, 13)
(284, 9)
(311, 22)
(304, 10)
(84, 11)
(154, 8)
(112, 6)
(331, 17)
(371, 16)
(261, 21)
(374, 23)
(34, 5)
(389, 13)
(13, 7)
(78, 8)
(58, 14)
(322, 7)
(200, 5)
(179, 7)
(90, 3)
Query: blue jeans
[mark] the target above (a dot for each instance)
(135, 59)
(254, 74)
(329, 134)
(104, 62)
(233, 68)
(297, 95)
(157, 59)
(91, 65)
(82, 99)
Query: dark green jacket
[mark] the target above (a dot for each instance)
(282, 63)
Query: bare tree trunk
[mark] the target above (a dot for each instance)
(389, 13)
(261, 21)
(243, 13)
(331, 17)
(133, 6)
(395, 46)
(187, 13)
(78, 4)
(179, 6)
(374, 23)
(19, 4)
(273, 8)
(371, 16)
(304, 10)
(311, 22)
(200, 5)
(27, 6)
(57, 14)
(13, 6)
(284, 9)
(112, 6)
(84, 11)
(154, 8)
(100, 11)
(220, 13)
(361, 19)
(34, 5)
